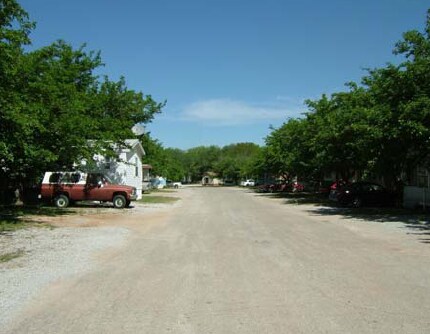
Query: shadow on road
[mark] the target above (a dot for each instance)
(416, 222)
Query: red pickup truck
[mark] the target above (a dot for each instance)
(64, 188)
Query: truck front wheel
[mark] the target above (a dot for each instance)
(61, 201)
(119, 201)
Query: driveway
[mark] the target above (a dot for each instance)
(226, 260)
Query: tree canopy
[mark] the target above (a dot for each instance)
(52, 103)
(378, 127)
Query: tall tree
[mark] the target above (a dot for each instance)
(342, 132)
(379, 128)
(62, 107)
(401, 97)
(288, 152)
(15, 28)
(236, 161)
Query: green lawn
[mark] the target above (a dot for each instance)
(165, 190)
(7, 225)
(157, 199)
(10, 225)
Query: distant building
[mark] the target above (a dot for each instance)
(158, 182)
(211, 179)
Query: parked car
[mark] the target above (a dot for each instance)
(362, 194)
(249, 183)
(281, 187)
(326, 186)
(229, 183)
(269, 187)
(297, 187)
(177, 185)
(64, 188)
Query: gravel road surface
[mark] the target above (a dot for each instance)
(225, 260)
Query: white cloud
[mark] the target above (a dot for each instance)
(222, 112)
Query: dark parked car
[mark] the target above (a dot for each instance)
(363, 194)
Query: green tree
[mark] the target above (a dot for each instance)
(15, 28)
(167, 162)
(342, 133)
(155, 155)
(176, 167)
(63, 107)
(52, 104)
(379, 128)
(202, 159)
(401, 98)
(288, 153)
(236, 161)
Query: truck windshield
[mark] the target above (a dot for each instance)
(107, 179)
(96, 179)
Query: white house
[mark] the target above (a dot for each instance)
(417, 192)
(126, 168)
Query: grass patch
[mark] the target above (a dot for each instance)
(157, 199)
(10, 256)
(164, 190)
(8, 225)
(36, 210)
(17, 217)
(11, 225)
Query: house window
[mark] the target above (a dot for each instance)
(107, 163)
(136, 167)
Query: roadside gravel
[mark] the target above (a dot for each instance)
(47, 255)
(65, 249)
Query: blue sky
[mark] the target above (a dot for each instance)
(229, 69)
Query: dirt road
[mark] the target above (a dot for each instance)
(229, 261)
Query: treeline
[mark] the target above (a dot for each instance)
(379, 128)
(232, 162)
(376, 129)
(52, 103)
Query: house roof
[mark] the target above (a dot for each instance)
(132, 143)
(136, 145)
